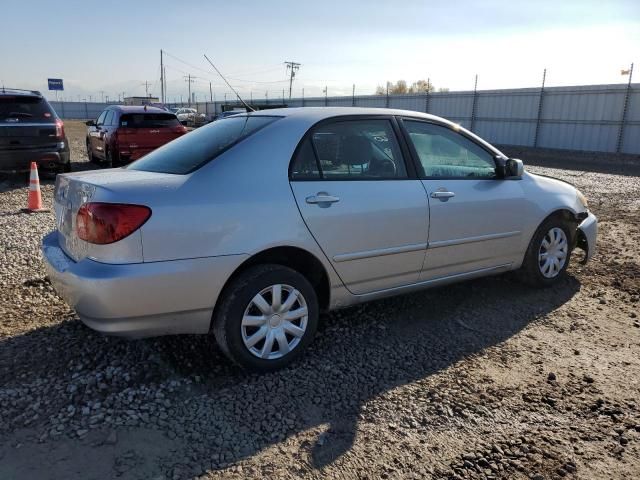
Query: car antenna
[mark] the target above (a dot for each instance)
(229, 85)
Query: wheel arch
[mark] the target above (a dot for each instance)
(296, 258)
(563, 213)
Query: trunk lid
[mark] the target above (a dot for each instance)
(111, 186)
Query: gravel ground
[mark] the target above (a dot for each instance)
(486, 379)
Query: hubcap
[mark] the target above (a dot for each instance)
(553, 252)
(274, 322)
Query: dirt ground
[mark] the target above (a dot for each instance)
(484, 379)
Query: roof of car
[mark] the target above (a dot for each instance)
(316, 114)
(137, 109)
(19, 91)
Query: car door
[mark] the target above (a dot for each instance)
(366, 210)
(95, 133)
(476, 218)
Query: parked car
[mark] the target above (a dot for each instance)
(190, 116)
(30, 131)
(250, 226)
(122, 134)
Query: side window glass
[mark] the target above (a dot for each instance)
(304, 165)
(445, 153)
(358, 150)
(109, 118)
(100, 120)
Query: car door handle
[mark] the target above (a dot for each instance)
(322, 197)
(442, 194)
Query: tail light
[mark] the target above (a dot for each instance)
(179, 129)
(103, 223)
(59, 129)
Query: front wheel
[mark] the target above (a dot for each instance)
(549, 252)
(267, 317)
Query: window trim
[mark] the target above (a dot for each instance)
(416, 158)
(404, 153)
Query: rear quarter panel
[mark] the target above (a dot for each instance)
(240, 203)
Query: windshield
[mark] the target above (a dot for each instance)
(25, 109)
(200, 146)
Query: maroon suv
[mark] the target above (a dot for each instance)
(122, 134)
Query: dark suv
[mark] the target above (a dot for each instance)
(30, 131)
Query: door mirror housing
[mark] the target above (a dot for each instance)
(90, 123)
(509, 168)
(514, 168)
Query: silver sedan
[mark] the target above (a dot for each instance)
(248, 227)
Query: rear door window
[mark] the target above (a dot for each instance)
(364, 149)
(200, 146)
(25, 109)
(148, 120)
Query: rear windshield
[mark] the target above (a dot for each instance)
(200, 146)
(25, 109)
(148, 120)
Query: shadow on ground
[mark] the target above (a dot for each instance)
(217, 414)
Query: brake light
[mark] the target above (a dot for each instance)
(59, 129)
(103, 223)
(179, 129)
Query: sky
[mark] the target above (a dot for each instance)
(114, 48)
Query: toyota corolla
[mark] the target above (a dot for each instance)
(249, 227)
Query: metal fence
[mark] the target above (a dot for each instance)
(598, 118)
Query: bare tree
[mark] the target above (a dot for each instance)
(401, 88)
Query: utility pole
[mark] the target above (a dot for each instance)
(189, 79)
(102, 96)
(161, 79)
(325, 96)
(146, 87)
(292, 68)
(353, 96)
(210, 92)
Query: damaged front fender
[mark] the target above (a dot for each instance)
(586, 236)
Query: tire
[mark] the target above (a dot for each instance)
(238, 322)
(540, 270)
(90, 156)
(108, 159)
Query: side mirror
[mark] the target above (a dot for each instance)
(514, 168)
(90, 123)
(510, 168)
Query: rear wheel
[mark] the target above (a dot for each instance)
(549, 252)
(267, 317)
(90, 156)
(108, 159)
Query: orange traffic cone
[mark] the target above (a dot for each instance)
(34, 204)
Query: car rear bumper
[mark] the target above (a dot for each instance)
(587, 234)
(142, 299)
(20, 160)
